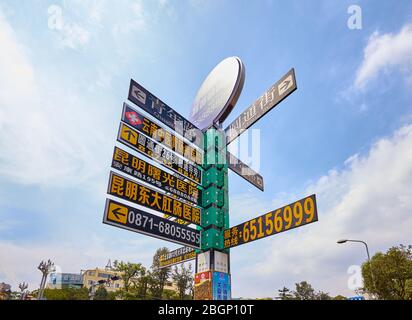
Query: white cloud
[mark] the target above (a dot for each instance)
(384, 53)
(44, 122)
(370, 199)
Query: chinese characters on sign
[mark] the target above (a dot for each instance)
(142, 170)
(270, 99)
(160, 135)
(295, 215)
(129, 218)
(177, 256)
(126, 189)
(152, 149)
(161, 111)
(244, 171)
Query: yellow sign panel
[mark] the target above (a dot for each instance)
(117, 213)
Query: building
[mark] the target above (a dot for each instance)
(65, 280)
(109, 278)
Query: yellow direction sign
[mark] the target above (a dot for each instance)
(142, 170)
(117, 213)
(292, 216)
(137, 193)
(151, 129)
(157, 152)
(177, 256)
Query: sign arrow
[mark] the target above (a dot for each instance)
(117, 213)
(129, 134)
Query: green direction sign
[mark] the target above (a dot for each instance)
(292, 216)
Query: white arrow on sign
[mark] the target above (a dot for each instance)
(285, 85)
(139, 94)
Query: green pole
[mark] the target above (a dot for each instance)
(215, 218)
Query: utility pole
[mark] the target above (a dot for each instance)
(45, 268)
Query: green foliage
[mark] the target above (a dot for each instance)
(389, 275)
(285, 294)
(128, 272)
(339, 297)
(303, 291)
(101, 294)
(184, 281)
(159, 276)
(66, 294)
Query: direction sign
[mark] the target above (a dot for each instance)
(161, 111)
(270, 99)
(120, 215)
(294, 215)
(142, 170)
(177, 256)
(137, 193)
(146, 126)
(155, 151)
(219, 93)
(244, 171)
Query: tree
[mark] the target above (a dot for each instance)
(66, 294)
(285, 294)
(340, 297)
(323, 296)
(101, 294)
(128, 272)
(388, 275)
(304, 291)
(183, 279)
(159, 276)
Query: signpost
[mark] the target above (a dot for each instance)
(122, 216)
(151, 129)
(139, 194)
(161, 111)
(294, 215)
(142, 170)
(177, 256)
(244, 171)
(270, 99)
(152, 149)
(197, 192)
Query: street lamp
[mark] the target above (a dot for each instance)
(367, 252)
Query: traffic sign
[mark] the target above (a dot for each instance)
(149, 128)
(137, 193)
(177, 256)
(122, 216)
(270, 99)
(244, 171)
(142, 170)
(294, 215)
(219, 93)
(161, 111)
(155, 151)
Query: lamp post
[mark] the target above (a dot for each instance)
(45, 268)
(367, 252)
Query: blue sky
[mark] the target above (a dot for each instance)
(61, 96)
